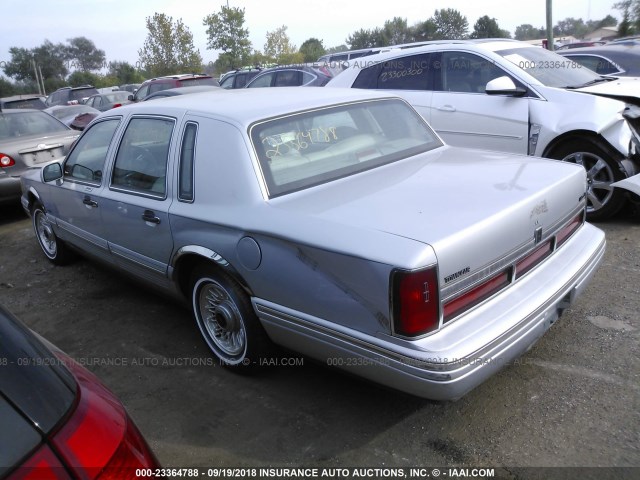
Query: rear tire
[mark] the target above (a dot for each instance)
(54, 249)
(226, 320)
(603, 200)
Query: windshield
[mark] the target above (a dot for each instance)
(19, 124)
(549, 68)
(311, 148)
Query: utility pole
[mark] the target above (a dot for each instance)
(550, 45)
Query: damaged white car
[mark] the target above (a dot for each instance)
(510, 96)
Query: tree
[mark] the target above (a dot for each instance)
(168, 48)
(423, 31)
(367, 39)
(84, 55)
(80, 77)
(571, 26)
(49, 58)
(630, 17)
(486, 27)
(124, 73)
(226, 32)
(337, 49)
(312, 49)
(396, 31)
(278, 46)
(529, 32)
(450, 24)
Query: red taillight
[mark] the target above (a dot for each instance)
(6, 161)
(476, 295)
(99, 440)
(569, 229)
(116, 105)
(534, 258)
(416, 302)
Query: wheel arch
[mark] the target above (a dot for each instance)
(625, 166)
(189, 257)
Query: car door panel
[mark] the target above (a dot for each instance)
(136, 204)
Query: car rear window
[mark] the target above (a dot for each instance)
(36, 103)
(19, 124)
(82, 93)
(306, 149)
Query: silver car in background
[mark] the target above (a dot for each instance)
(334, 223)
(28, 139)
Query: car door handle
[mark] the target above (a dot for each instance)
(90, 203)
(446, 108)
(150, 216)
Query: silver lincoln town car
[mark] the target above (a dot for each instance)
(332, 222)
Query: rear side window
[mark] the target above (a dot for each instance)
(86, 161)
(187, 155)
(141, 162)
(405, 73)
(465, 72)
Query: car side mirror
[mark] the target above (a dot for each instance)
(52, 172)
(130, 97)
(504, 86)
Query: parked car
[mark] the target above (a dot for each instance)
(614, 60)
(107, 101)
(70, 96)
(68, 114)
(293, 76)
(58, 419)
(510, 96)
(130, 87)
(172, 92)
(171, 81)
(32, 101)
(568, 46)
(238, 78)
(334, 223)
(28, 139)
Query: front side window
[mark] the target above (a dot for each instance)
(261, 81)
(141, 162)
(465, 72)
(86, 161)
(311, 148)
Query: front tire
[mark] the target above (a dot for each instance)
(54, 249)
(603, 200)
(227, 321)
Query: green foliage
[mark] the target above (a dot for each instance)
(486, 27)
(168, 48)
(124, 73)
(450, 24)
(226, 32)
(312, 49)
(367, 39)
(7, 88)
(423, 31)
(630, 23)
(49, 58)
(529, 32)
(79, 78)
(278, 46)
(337, 49)
(396, 31)
(83, 54)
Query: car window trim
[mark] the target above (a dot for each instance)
(192, 170)
(138, 193)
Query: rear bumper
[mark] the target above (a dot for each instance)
(450, 363)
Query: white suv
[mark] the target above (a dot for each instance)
(510, 96)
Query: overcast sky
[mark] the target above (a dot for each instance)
(118, 26)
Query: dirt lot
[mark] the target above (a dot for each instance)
(573, 400)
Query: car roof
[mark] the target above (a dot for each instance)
(245, 106)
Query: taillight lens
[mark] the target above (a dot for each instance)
(569, 229)
(476, 295)
(534, 258)
(99, 440)
(116, 105)
(6, 161)
(43, 464)
(416, 302)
